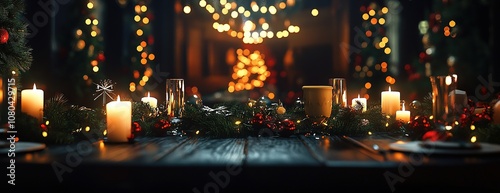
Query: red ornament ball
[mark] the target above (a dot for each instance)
(436, 136)
(136, 127)
(4, 36)
(43, 127)
(161, 127)
(419, 126)
(286, 127)
(162, 124)
(258, 119)
(101, 57)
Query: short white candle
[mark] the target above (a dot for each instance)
(152, 101)
(359, 101)
(32, 102)
(119, 120)
(403, 115)
(390, 102)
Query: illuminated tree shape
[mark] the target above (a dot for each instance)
(249, 72)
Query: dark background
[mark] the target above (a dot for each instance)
(50, 44)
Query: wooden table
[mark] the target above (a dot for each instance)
(253, 164)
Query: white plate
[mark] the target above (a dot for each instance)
(443, 148)
(21, 147)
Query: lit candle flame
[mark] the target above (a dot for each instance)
(118, 98)
(148, 95)
(34, 86)
(389, 88)
(448, 80)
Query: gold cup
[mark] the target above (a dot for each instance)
(317, 102)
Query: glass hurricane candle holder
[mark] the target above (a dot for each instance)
(175, 97)
(339, 87)
(443, 100)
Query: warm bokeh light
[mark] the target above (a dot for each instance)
(314, 12)
(90, 5)
(187, 9)
(371, 12)
(452, 23)
(139, 32)
(365, 16)
(249, 72)
(249, 23)
(384, 10)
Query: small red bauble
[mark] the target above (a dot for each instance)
(4, 36)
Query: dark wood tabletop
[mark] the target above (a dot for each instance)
(252, 164)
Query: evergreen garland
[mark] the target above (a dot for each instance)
(63, 123)
(15, 54)
(66, 123)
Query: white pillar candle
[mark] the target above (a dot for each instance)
(119, 120)
(359, 101)
(152, 101)
(403, 115)
(32, 102)
(390, 102)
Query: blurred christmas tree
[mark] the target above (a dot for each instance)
(86, 54)
(453, 43)
(15, 55)
(371, 51)
(141, 45)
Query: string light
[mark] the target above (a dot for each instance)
(86, 36)
(142, 69)
(251, 22)
(373, 17)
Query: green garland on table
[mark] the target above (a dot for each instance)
(64, 123)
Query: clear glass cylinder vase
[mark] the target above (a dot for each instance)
(444, 111)
(339, 91)
(175, 97)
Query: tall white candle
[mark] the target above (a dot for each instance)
(152, 101)
(403, 115)
(119, 120)
(390, 102)
(359, 101)
(32, 102)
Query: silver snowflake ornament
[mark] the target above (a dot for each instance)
(105, 90)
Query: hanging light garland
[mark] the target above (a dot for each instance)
(143, 39)
(375, 44)
(87, 40)
(250, 21)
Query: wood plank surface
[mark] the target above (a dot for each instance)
(274, 151)
(335, 152)
(206, 151)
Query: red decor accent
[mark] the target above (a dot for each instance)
(4, 36)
